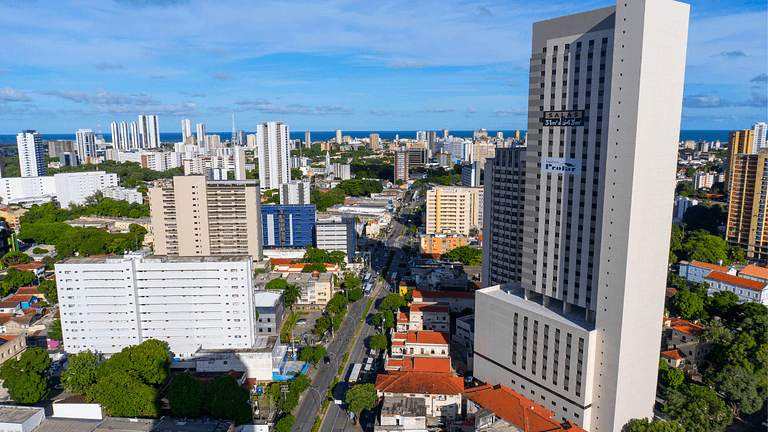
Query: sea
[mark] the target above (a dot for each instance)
(685, 135)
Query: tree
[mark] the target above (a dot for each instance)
(17, 278)
(307, 354)
(292, 294)
(706, 217)
(39, 251)
(54, 331)
(319, 353)
(337, 304)
(361, 397)
(392, 301)
(385, 318)
(285, 424)
(125, 395)
(25, 379)
(276, 284)
(655, 426)
(688, 304)
(186, 395)
(378, 342)
(351, 281)
(745, 389)
(466, 255)
(313, 267)
(225, 399)
(80, 375)
(355, 294)
(48, 289)
(296, 173)
(674, 378)
(13, 258)
(698, 408)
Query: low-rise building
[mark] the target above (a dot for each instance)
(421, 343)
(12, 347)
(748, 290)
(429, 316)
(20, 419)
(442, 243)
(419, 364)
(682, 345)
(457, 301)
(402, 414)
(12, 214)
(262, 361)
(496, 408)
(316, 288)
(441, 393)
(465, 332)
(337, 234)
(270, 310)
(122, 194)
(697, 271)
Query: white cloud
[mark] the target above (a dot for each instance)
(439, 110)
(68, 94)
(13, 95)
(509, 112)
(221, 76)
(104, 66)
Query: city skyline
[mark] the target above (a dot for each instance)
(315, 67)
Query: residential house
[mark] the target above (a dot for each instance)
(441, 393)
(26, 301)
(12, 347)
(682, 335)
(35, 267)
(429, 316)
(419, 364)
(498, 408)
(9, 307)
(11, 324)
(316, 288)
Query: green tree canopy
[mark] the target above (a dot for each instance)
(80, 375)
(292, 294)
(355, 294)
(225, 399)
(466, 255)
(13, 258)
(706, 217)
(285, 424)
(312, 267)
(655, 426)
(688, 304)
(698, 408)
(26, 378)
(745, 389)
(54, 331)
(337, 304)
(186, 396)
(392, 301)
(48, 289)
(378, 342)
(351, 281)
(361, 397)
(278, 283)
(357, 187)
(17, 278)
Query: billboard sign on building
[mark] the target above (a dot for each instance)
(561, 165)
(564, 118)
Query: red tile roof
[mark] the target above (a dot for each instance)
(755, 271)
(399, 336)
(711, 266)
(736, 280)
(8, 304)
(443, 294)
(428, 337)
(420, 383)
(674, 354)
(34, 265)
(517, 409)
(29, 291)
(684, 326)
(427, 364)
(22, 298)
(402, 318)
(280, 261)
(425, 307)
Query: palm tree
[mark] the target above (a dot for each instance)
(292, 294)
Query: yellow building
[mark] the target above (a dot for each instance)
(746, 213)
(454, 210)
(441, 243)
(12, 214)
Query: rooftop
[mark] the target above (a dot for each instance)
(684, 326)
(420, 383)
(755, 271)
(443, 294)
(517, 409)
(16, 415)
(422, 307)
(737, 280)
(710, 266)
(674, 354)
(403, 406)
(67, 425)
(155, 259)
(428, 337)
(426, 364)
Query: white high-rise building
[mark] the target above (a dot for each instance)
(190, 302)
(238, 155)
(338, 136)
(295, 192)
(580, 332)
(115, 135)
(201, 134)
(31, 154)
(758, 139)
(124, 137)
(186, 129)
(149, 129)
(135, 136)
(86, 145)
(274, 154)
(421, 136)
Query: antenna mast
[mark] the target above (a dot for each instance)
(234, 131)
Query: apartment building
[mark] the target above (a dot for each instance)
(580, 331)
(192, 303)
(470, 175)
(375, 143)
(504, 216)
(31, 154)
(316, 288)
(748, 190)
(401, 166)
(739, 142)
(337, 234)
(195, 217)
(274, 154)
(122, 194)
(270, 310)
(295, 192)
(66, 188)
(454, 209)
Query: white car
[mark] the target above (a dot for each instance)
(301, 321)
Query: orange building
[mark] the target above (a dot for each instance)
(746, 208)
(439, 243)
(739, 142)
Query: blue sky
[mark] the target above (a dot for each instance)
(350, 65)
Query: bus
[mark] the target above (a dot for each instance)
(367, 279)
(355, 374)
(393, 278)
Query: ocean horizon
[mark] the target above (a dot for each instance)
(685, 135)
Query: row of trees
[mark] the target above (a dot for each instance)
(323, 200)
(336, 308)
(466, 255)
(321, 256)
(702, 246)
(357, 187)
(287, 402)
(223, 398)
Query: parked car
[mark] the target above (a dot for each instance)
(301, 321)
